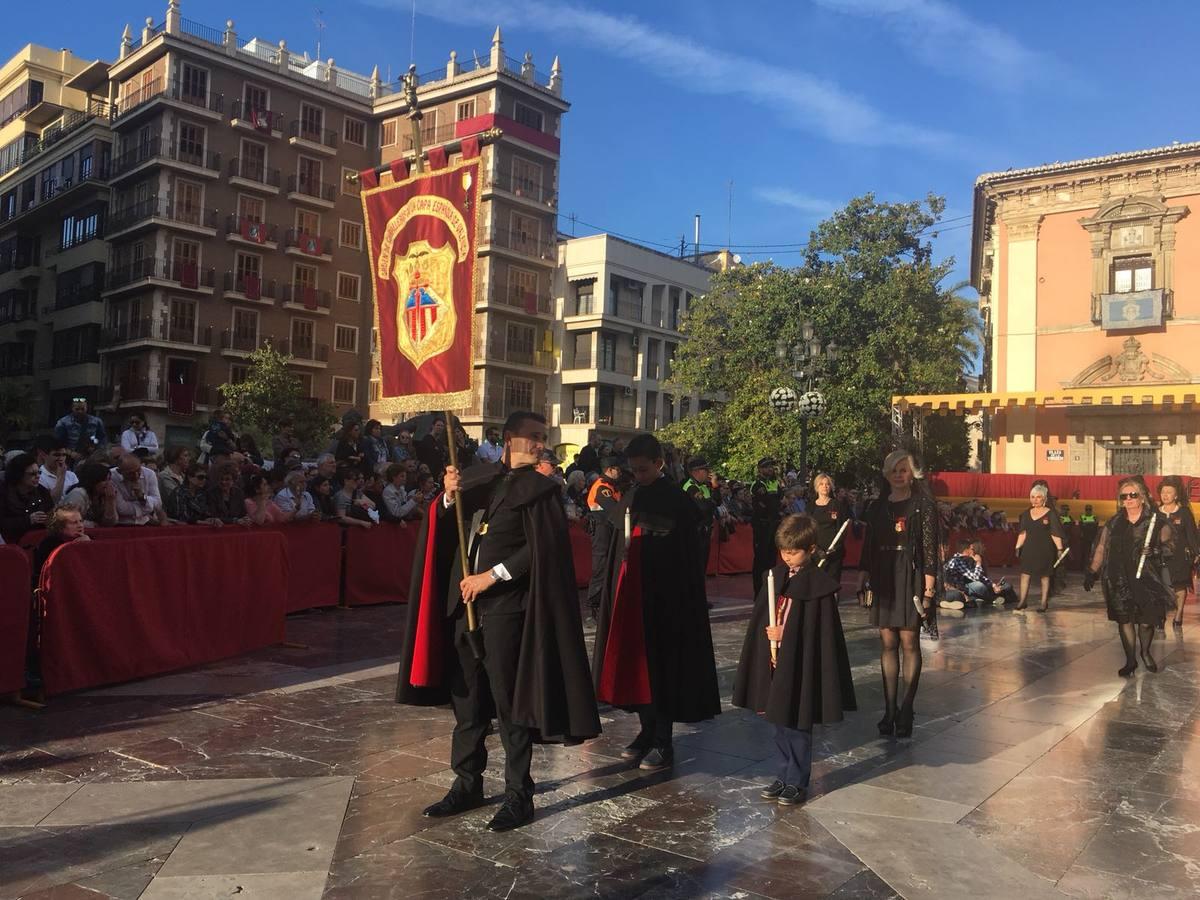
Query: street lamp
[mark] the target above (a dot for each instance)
(809, 360)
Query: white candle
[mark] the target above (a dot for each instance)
(772, 597)
(628, 527)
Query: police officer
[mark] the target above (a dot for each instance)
(765, 498)
(1064, 516)
(701, 485)
(602, 498)
(1088, 528)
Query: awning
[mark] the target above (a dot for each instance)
(1106, 395)
(90, 79)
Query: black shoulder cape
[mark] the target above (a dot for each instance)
(811, 683)
(652, 637)
(553, 693)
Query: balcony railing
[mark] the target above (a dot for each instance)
(525, 356)
(73, 356)
(304, 350)
(308, 297)
(185, 274)
(525, 188)
(181, 397)
(436, 134)
(16, 367)
(623, 416)
(22, 255)
(152, 328)
(156, 208)
(246, 343)
(17, 306)
(530, 301)
(251, 230)
(297, 184)
(70, 122)
(312, 244)
(619, 364)
(253, 171)
(249, 285)
(173, 90)
(324, 136)
(626, 309)
(521, 242)
(157, 148)
(260, 119)
(77, 294)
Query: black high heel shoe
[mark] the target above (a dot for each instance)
(1128, 669)
(887, 725)
(904, 722)
(1148, 661)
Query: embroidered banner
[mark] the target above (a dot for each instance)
(421, 234)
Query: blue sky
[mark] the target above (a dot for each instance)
(802, 104)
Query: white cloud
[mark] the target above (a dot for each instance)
(800, 99)
(804, 203)
(946, 39)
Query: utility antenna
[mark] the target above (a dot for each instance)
(320, 30)
(572, 217)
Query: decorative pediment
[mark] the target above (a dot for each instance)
(1132, 366)
(1123, 209)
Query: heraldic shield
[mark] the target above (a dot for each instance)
(425, 287)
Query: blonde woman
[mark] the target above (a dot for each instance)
(1039, 541)
(830, 514)
(899, 574)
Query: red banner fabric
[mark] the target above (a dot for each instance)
(367, 179)
(181, 399)
(421, 237)
(470, 147)
(379, 563)
(16, 594)
(120, 610)
(399, 170)
(437, 157)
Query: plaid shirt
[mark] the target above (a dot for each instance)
(961, 570)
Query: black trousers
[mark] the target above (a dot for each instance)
(765, 555)
(705, 539)
(656, 728)
(601, 537)
(477, 689)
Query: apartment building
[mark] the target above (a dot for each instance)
(620, 306)
(515, 317)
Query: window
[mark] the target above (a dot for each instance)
(304, 379)
(652, 354)
(343, 389)
(78, 228)
(304, 276)
(387, 133)
(238, 372)
(255, 98)
(526, 234)
(350, 185)
(523, 289)
(194, 85)
(518, 394)
(66, 171)
(308, 222)
(245, 329)
(1133, 273)
(465, 110)
(354, 131)
(350, 234)
(182, 321)
(650, 412)
(185, 262)
(254, 161)
(519, 343)
(247, 265)
(85, 163)
(252, 209)
(348, 286)
(376, 390)
(429, 127)
(528, 116)
(189, 202)
(191, 144)
(608, 352)
(526, 178)
(303, 335)
(310, 176)
(345, 338)
(584, 296)
(312, 122)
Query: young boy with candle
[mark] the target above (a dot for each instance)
(794, 668)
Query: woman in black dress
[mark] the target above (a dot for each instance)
(1128, 560)
(1039, 541)
(898, 579)
(1180, 552)
(829, 513)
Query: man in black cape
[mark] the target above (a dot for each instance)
(654, 651)
(533, 675)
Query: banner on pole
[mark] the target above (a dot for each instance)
(421, 238)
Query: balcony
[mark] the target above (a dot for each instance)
(156, 151)
(630, 310)
(431, 135)
(501, 405)
(253, 175)
(303, 136)
(301, 243)
(162, 272)
(61, 358)
(521, 356)
(21, 257)
(157, 331)
(532, 303)
(17, 306)
(243, 230)
(623, 415)
(305, 353)
(135, 105)
(236, 343)
(70, 123)
(299, 296)
(618, 364)
(305, 190)
(249, 288)
(75, 240)
(77, 295)
(155, 212)
(16, 366)
(521, 188)
(180, 399)
(262, 122)
(527, 245)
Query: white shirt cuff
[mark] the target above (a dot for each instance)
(500, 572)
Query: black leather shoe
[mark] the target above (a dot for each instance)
(515, 812)
(773, 790)
(637, 749)
(452, 804)
(792, 796)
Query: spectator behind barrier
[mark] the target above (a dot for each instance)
(137, 497)
(80, 432)
(189, 502)
(94, 496)
(326, 468)
(261, 509)
(138, 436)
(321, 489)
(347, 451)
(396, 500)
(24, 503)
(402, 448)
(64, 526)
(55, 473)
(225, 499)
(294, 501)
(373, 447)
(351, 506)
(285, 442)
(176, 459)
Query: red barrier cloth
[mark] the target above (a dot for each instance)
(120, 610)
(853, 544)
(581, 553)
(15, 599)
(1062, 487)
(736, 555)
(314, 552)
(379, 563)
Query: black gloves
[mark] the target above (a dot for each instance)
(1089, 580)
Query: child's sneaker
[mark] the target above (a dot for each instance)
(772, 790)
(792, 796)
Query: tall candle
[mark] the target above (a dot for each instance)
(628, 527)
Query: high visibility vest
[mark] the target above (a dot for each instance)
(1085, 519)
(592, 503)
(705, 490)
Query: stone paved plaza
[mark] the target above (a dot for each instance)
(1034, 772)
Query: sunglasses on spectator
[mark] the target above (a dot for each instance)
(1132, 495)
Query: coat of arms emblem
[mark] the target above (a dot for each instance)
(424, 279)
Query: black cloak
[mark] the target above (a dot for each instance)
(553, 692)
(671, 656)
(812, 683)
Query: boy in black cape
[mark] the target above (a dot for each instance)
(810, 681)
(534, 672)
(654, 651)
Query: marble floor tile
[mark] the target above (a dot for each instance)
(27, 804)
(290, 885)
(1085, 883)
(944, 776)
(878, 801)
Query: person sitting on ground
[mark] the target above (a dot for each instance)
(967, 581)
(55, 473)
(351, 506)
(294, 501)
(24, 503)
(226, 501)
(260, 505)
(137, 498)
(189, 502)
(138, 436)
(396, 502)
(94, 496)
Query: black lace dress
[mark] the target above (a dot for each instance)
(899, 549)
(1141, 601)
(1180, 551)
(1039, 552)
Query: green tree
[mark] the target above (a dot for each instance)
(868, 283)
(270, 395)
(16, 409)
